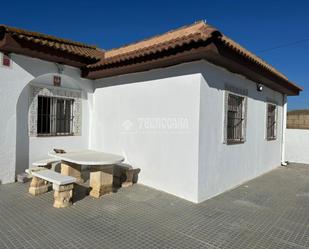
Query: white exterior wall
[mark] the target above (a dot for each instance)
(168, 158)
(167, 122)
(168, 161)
(297, 145)
(17, 149)
(222, 166)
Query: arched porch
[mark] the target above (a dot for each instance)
(41, 101)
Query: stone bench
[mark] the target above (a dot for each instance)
(125, 175)
(34, 169)
(62, 185)
(47, 163)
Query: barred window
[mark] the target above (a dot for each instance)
(235, 118)
(55, 116)
(271, 121)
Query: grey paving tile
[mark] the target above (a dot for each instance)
(271, 211)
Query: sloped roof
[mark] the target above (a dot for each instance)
(177, 41)
(172, 39)
(241, 50)
(197, 32)
(188, 43)
(51, 42)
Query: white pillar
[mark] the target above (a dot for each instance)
(284, 117)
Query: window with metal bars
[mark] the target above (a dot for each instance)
(235, 119)
(271, 121)
(55, 116)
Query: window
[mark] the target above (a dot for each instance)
(6, 61)
(55, 116)
(235, 119)
(54, 111)
(271, 122)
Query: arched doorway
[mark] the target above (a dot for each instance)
(30, 145)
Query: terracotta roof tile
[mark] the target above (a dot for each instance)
(254, 58)
(197, 35)
(199, 32)
(241, 50)
(179, 37)
(64, 45)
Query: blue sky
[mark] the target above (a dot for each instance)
(257, 25)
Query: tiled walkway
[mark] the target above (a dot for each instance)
(271, 211)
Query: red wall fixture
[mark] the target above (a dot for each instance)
(6, 60)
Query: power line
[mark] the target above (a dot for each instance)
(283, 45)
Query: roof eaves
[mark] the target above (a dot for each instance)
(90, 53)
(256, 60)
(17, 31)
(201, 33)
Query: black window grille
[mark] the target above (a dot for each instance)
(235, 119)
(55, 116)
(271, 121)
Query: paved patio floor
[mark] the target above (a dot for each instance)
(271, 211)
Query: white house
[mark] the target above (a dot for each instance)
(195, 111)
